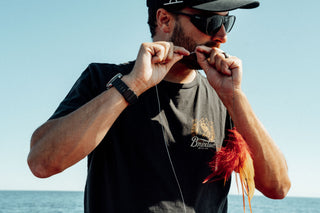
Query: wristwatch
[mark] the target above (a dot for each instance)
(124, 90)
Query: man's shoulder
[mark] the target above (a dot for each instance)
(105, 68)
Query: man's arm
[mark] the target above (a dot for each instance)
(224, 74)
(271, 171)
(60, 143)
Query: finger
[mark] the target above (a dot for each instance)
(216, 57)
(181, 51)
(216, 61)
(225, 67)
(170, 52)
(236, 67)
(205, 53)
(177, 54)
(208, 53)
(222, 64)
(202, 57)
(220, 61)
(158, 52)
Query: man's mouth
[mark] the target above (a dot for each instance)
(191, 60)
(212, 44)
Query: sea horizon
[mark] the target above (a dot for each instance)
(61, 190)
(68, 201)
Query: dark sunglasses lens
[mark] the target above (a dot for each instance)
(211, 25)
(215, 23)
(229, 22)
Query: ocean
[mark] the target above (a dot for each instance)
(72, 202)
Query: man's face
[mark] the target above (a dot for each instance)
(186, 35)
(180, 38)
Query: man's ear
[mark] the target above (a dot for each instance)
(165, 20)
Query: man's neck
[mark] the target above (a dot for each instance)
(180, 74)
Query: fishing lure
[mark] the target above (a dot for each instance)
(235, 156)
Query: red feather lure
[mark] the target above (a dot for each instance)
(235, 156)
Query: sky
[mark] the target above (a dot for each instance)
(45, 45)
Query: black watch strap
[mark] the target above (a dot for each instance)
(124, 90)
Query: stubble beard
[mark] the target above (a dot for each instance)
(179, 38)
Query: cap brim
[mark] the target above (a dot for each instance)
(227, 5)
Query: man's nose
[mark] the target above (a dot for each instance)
(220, 36)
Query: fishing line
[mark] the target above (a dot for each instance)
(169, 156)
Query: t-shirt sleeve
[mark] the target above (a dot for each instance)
(90, 84)
(82, 92)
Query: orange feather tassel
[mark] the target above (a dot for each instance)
(235, 156)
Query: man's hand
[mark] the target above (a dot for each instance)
(153, 63)
(224, 74)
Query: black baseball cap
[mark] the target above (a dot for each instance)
(208, 5)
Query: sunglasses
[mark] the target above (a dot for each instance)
(210, 25)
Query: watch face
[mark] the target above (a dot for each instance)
(113, 79)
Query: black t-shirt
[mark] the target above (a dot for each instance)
(130, 171)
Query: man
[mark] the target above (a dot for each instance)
(151, 154)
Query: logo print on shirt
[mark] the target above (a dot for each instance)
(203, 135)
(173, 2)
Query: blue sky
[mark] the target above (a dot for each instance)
(45, 45)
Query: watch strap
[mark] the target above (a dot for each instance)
(124, 90)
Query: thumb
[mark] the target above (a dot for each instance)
(202, 58)
(178, 54)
